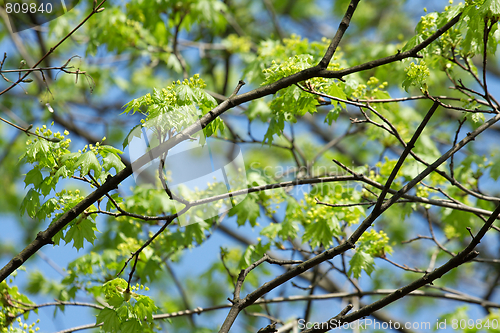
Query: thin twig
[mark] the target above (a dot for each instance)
(52, 49)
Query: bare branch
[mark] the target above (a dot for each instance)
(344, 24)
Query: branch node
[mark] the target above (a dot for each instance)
(470, 232)
(240, 84)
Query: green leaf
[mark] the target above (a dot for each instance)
(478, 117)
(30, 203)
(247, 210)
(47, 209)
(185, 94)
(110, 320)
(62, 172)
(111, 287)
(271, 231)
(473, 21)
(490, 8)
(112, 161)
(38, 151)
(48, 184)
(359, 262)
(173, 63)
(135, 134)
(88, 161)
(252, 254)
(104, 150)
(459, 221)
(335, 91)
(36, 282)
(276, 126)
(195, 231)
(70, 156)
(131, 326)
(34, 176)
(210, 11)
(321, 232)
(118, 199)
(115, 301)
(414, 41)
(57, 237)
(289, 229)
(145, 307)
(333, 115)
(81, 230)
(122, 311)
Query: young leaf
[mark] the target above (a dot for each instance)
(30, 203)
(247, 210)
(34, 176)
(359, 262)
(321, 232)
(84, 229)
(131, 326)
(88, 161)
(110, 320)
(112, 161)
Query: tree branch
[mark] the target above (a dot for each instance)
(393, 58)
(464, 256)
(94, 11)
(344, 24)
(45, 237)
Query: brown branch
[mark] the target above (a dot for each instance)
(417, 293)
(368, 203)
(460, 124)
(464, 256)
(169, 220)
(176, 52)
(486, 33)
(31, 307)
(28, 132)
(403, 156)
(413, 53)
(439, 203)
(45, 237)
(344, 24)
(52, 49)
